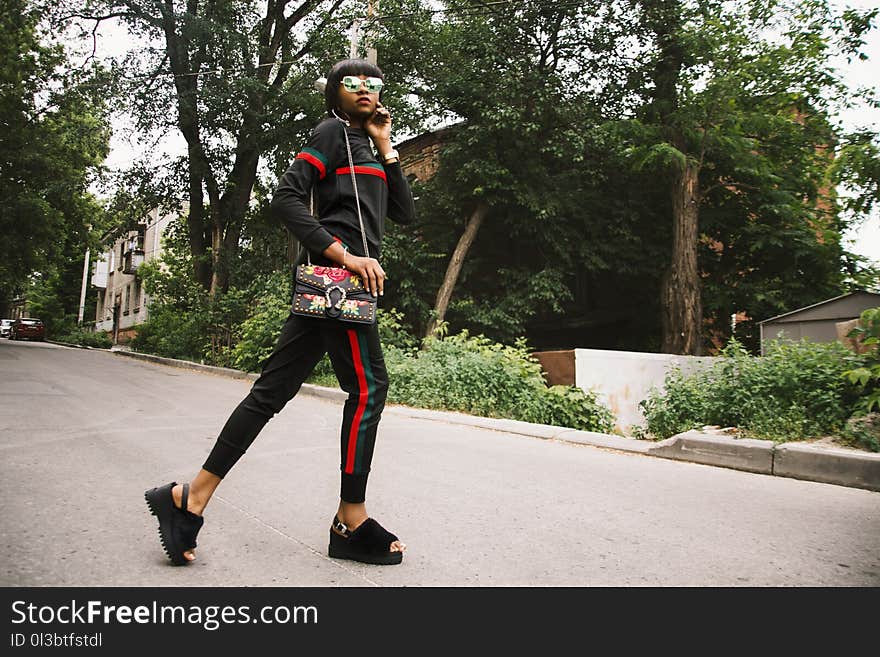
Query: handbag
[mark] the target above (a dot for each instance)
(334, 292)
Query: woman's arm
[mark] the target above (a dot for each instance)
(291, 199)
(401, 208)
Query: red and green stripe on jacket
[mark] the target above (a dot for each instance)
(319, 161)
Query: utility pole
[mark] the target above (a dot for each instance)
(372, 7)
(372, 54)
(354, 38)
(82, 292)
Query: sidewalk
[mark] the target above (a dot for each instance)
(810, 462)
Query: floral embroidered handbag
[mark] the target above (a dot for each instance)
(334, 292)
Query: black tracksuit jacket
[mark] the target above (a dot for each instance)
(323, 164)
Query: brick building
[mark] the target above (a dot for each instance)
(419, 156)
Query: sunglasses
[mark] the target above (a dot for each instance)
(353, 83)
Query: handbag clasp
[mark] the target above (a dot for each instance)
(331, 309)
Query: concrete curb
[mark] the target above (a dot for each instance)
(832, 466)
(189, 365)
(797, 461)
(605, 441)
(711, 449)
(74, 346)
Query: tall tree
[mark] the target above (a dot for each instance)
(726, 79)
(618, 150)
(54, 137)
(235, 78)
(510, 75)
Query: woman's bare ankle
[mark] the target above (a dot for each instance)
(201, 489)
(195, 503)
(351, 515)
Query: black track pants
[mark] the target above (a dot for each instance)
(357, 360)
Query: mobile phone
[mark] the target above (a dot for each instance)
(380, 118)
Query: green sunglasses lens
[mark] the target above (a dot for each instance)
(374, 85)
(351, 83)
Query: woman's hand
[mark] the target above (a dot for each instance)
(370, 271)
(379, 127)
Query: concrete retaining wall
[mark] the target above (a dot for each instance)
(622, 379)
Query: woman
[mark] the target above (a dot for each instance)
(352, 95)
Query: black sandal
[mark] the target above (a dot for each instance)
(369, 543)
(178, 527)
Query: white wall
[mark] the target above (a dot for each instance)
(621, 379)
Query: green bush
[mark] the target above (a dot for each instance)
(863, 427)
(172, 333)
(393, 330)
(86, 338)
(863, 431)
(463, 373)
(188, 323)
(259, 332)
(795, 391)
(866, 373)
(683, 404)
(177, 325)
(323, 374)
(475, 375)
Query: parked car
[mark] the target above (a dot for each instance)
(6, 327)
(29, 328)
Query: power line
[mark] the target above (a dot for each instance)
(474, 10)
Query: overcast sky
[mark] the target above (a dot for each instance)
(113, 41)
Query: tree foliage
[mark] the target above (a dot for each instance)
(513, 79)
(736, 118)
(586, 130)
(235, 79)
(591, 131)
(53, 138)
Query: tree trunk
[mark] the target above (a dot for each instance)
(219, 273)
(682, 307)
(680, 289)
(220, 221)
(234, 202)
(455, 263)
(195, 223)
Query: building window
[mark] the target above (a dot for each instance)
(127, 299)
(137, 295)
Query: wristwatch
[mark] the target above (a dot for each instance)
(391, 155)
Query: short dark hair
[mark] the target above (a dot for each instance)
(340, 70)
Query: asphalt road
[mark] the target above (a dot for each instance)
(84, 432)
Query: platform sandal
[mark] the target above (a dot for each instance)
(178, 527)
(369, 543)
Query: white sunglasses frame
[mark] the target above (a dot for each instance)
(363, 84)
